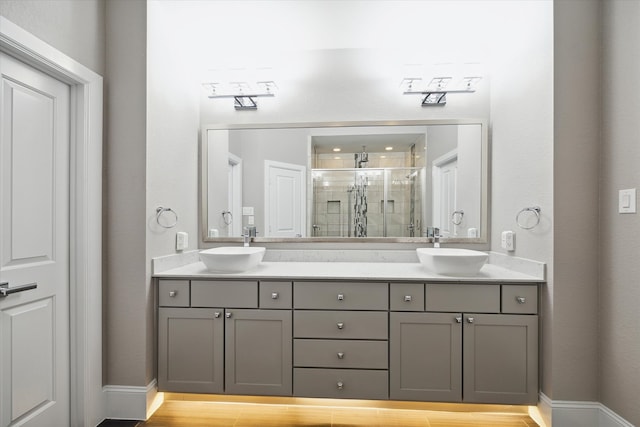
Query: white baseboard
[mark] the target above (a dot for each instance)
(563, 413)
(131, 403)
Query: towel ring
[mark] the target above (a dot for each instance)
(536, 212)
(160, 211)
(457, 215)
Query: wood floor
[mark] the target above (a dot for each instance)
(185, 413)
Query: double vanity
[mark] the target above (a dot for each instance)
(360, 330)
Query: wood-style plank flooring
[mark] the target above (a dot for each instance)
(184, 413)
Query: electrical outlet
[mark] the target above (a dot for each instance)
(182, 241)
(508, 241)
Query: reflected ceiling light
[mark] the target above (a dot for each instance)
(388, 148)
(244, 95)
(435, 93)
(337, 149)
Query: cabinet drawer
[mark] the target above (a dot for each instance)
(469, 298)
(341, 354)
(275, 295)
(341, 296)
(341, 383)
(224, 293)
(173, 293)
(406, 296)
(519, 299)
(341, 324)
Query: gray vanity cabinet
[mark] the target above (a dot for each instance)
(207, 349)
(258, 352)
(497, 351)
(191, 350)
(500, 358)
(426, 356)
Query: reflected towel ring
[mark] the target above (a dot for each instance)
(457, 214)
(159, 211)
(227, 217)
(535, 210)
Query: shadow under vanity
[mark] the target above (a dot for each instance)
(447, 340)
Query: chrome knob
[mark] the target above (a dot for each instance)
(340, 355)
(340, 385)
(227, 315)
(274, 295)
(470, 319)
(216, 314)
(340, 297)
(458, 319)
(521, 300)
(172, 294)
(408, 298)
(340, 325)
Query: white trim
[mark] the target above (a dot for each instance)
(87, 404)
(130, 402)
(566, 413)
(236, 203)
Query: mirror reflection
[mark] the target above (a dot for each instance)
(401, 182)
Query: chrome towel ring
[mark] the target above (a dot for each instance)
(160, 211)
(536, 212)
(227, 217)
(456, 217)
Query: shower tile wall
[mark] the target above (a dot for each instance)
(331, 204)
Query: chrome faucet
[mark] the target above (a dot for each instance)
(246, 238)
(436, 240)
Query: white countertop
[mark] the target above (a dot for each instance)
(386, 271)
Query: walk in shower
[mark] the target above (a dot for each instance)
(371, 202)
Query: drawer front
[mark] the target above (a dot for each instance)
(469, 298)
(341, 383)
(341, 354)
(224, 293)
(406, 296)
(275, 295)
(173, 293)
(341, 324)
(341, 296)
(519, 299)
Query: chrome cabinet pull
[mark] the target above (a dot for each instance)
(216, 314)
(340, 325)
(274, 295)
(408, 298)
(173, 294)
(340, 355)
(458, 319)
(521, 300)
(340, 297)
(340, 385)
(6, 290)
(228, 315)
(470, 319)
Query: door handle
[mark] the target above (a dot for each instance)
(6, 290)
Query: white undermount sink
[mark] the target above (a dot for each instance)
(232, 259)
(452, 262)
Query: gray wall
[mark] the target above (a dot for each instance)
(76, 28)
(619, 244)
(127, 326)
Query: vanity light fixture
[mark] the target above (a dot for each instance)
(244, 96)
(337, 149)
(388, 148)
(435, 93)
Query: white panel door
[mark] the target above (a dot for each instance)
(445, 183)
(284, 199)
(34, 249)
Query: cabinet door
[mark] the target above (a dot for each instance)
(258, 352)
(500, 359)
(190, 350)
(426, 356)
